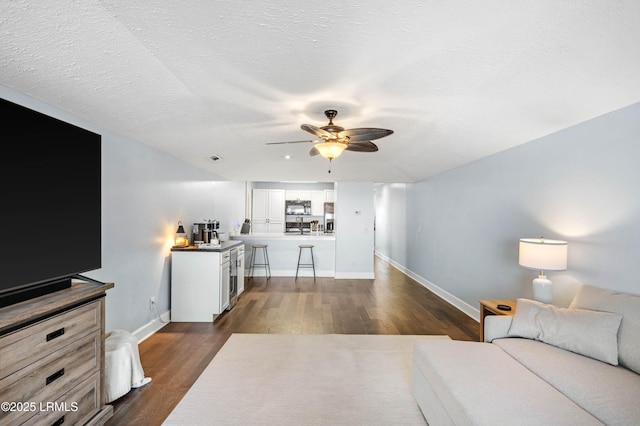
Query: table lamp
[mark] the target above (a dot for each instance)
(181, 239)
(543, 255)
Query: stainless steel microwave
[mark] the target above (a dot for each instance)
(297, 207)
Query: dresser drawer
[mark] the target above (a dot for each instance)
(47, 379)
(74, 408)
(26, 345)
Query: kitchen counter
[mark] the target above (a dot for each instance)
(283, 253)
(286, 236)
(226, 245)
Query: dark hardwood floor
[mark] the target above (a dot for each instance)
(393, 303)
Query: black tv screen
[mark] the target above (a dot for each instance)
(50, 174)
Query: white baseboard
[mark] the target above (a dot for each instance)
(460, 304)
(148, 329)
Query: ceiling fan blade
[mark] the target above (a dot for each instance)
(280, 143)
(316, 131)
(314, 151)
(364, 134)
(362, 147)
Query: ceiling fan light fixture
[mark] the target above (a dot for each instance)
(333, 140)
(330, 150)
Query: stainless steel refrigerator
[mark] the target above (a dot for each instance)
(329, 224)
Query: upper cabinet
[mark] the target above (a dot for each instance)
(298, 195)
(267, 213)
(317, 203)
(328, 195)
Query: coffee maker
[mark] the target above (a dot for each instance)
(205, 232)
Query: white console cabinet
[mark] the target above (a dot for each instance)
(200, 281)
(196, 286)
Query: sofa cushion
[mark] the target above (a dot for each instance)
(496, 327)
(612, 394)
(590, 333)
(478, 383)
(628, 306)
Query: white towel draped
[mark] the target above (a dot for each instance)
(123, 369)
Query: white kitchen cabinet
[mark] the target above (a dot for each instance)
(291, 195)
(267, 213)
(199, 285)
(267, 228)
(298, 195)
(259, 205)
(304, 195)
(329, 196)
(317, 203)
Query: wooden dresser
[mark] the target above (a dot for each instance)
(52, 358)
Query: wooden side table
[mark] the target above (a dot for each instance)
(490, 307)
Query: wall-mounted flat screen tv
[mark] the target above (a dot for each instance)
(50, 174)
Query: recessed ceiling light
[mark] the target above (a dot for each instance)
(287, 157)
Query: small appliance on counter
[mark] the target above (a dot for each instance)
(205, 232)
(297, 207)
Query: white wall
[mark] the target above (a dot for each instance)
(579, 185)
(229, 205)
(391, 221)
(354, 215)
(144, 194)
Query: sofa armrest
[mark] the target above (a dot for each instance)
(496, 327)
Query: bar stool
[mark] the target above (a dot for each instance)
(265, 257)
(306, 265)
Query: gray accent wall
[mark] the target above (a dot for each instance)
(461, 228)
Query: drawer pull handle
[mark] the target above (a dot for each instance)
(55, 376)
(55, 334)
(58, 422)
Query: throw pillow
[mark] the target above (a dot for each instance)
(628, 306)
(590, 333)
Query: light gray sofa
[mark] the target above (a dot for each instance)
(534, 371)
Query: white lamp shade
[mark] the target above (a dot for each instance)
(330, 150)
(542, 254)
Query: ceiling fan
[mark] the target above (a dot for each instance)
(334, 140)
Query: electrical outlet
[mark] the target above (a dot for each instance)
(152, 301)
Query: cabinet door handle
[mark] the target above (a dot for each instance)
(55, 334)
(55, 376)
(58, 422)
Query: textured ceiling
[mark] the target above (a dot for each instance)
(455, 80)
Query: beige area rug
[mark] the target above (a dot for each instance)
(292, 379)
